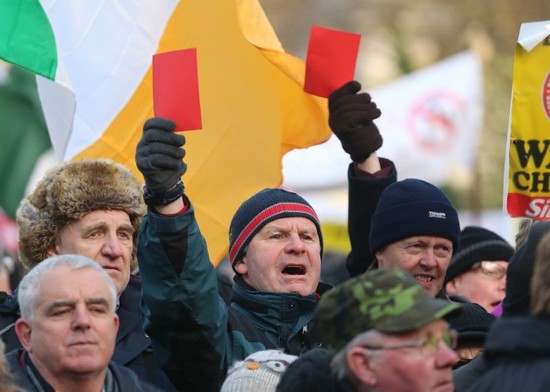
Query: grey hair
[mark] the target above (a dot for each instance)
(30, 285)
(525, 226)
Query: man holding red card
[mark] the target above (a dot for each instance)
(275, 249)
(408, 210)
(408, 224)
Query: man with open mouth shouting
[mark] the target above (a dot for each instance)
(275, 248)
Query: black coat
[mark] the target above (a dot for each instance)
(133, 347)
(363, 197)
(468, 374)
(126, 380)
(517, 355)
(311, 372)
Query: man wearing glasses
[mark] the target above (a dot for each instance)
(384, 332)
(477, 271)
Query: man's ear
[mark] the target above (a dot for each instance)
(23, 330)
(453, 286)
(117, 322)
(379, 256)
(53, 250)
(361, 366)
(241, 267)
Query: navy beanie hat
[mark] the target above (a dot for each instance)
(413, 207)
(477, 244)
(265, 206)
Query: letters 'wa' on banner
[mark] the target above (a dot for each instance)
(527, 169)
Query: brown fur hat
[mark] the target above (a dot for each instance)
(67, 193)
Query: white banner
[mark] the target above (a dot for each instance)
(431, 124)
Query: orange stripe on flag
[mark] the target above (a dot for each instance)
(253, 107)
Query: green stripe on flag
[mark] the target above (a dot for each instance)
(24, 136)
(27, 38)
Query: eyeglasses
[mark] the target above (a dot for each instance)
(430, 342)
(491, 268)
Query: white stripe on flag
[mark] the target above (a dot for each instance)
(104, 51)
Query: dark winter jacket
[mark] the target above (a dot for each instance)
(517, 355)
(312, 373)
(196, 335)
(363, 197)
(133, 347)
(122, 380)
(466, 375)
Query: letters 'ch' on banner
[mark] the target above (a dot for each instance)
(527, 169)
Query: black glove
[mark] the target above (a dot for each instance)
(350, 118)
(159, 156)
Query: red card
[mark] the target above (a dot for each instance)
(176, 88)
(331, 59)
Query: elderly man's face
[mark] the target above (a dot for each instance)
(483, 284)
(414, 369)
(103, 236)
(283, 257)
(425, 257)
(74, 328)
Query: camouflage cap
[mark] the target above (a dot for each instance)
(386, 300)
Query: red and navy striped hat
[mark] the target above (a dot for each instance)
(266, 206)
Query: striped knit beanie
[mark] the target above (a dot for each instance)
(260, 209)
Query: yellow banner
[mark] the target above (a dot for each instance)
(528, 179)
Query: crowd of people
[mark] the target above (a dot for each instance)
(120, 293)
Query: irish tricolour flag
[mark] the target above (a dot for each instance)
(93, 61)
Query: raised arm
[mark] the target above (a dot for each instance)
(183, 312)
(351, 118)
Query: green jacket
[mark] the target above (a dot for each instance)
(195, 334)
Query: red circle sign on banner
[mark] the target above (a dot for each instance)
(546, 95)
(433, 120)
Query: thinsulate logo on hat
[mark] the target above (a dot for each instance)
(438, 215)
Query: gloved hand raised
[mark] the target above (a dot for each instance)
(351, 118)
(159, 155)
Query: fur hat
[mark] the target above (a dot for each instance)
(260, 371)
(69, 191)
(477, 244)
(413, 207)
(260, 209)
